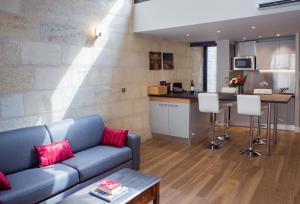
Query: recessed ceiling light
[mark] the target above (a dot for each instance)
(244, 38)
(218, 31)
(278, 35)
(260, 36)
(187, 35)
(253, 27)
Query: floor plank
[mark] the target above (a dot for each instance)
(191, 174)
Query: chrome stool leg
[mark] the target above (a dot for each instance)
(259, 140)
(225, 136)
(251, 152)
(213, 145)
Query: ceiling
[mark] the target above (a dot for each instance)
(287, 23)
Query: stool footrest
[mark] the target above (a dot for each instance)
(213, 146)
(223, 137)
(251, 152)
(259, 141)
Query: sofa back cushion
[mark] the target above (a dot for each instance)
(83, 133)
(17, 151)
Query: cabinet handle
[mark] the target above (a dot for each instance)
(163, 104)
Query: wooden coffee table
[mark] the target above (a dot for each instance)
(143, 188)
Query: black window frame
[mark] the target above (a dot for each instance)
(139, 1)
(205, 45)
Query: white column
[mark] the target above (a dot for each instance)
(297, 105)
(223, 63)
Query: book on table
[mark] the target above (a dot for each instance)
(109, 190)
(109, 186)
(109, 197)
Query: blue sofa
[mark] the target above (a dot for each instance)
(51, 184)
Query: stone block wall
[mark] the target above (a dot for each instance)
(52, 66)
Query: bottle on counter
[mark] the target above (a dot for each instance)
(192, 87)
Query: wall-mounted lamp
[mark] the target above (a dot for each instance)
(98, 32)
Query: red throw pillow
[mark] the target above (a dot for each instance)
(4, 182)
(114, 137)
(54, 153)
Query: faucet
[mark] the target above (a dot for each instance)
(283, 90)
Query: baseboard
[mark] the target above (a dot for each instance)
(297, 129)
(168, 137)
(264, 125)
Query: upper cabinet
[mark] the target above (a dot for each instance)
(287, 56)
(267, 55)
(275, 54)
(246, 49)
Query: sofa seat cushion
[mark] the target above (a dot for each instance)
(94, 161)
(35, 185)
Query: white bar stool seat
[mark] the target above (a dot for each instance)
(209, 103)
(249, 105)
(263, 91)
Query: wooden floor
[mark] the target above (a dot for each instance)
(191, 174)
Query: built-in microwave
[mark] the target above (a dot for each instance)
(244, 63)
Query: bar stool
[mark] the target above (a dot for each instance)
(209, 103)
(258, 139)
(249, 105)
(227, 106)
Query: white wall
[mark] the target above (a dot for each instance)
(159, 14)
(297, 107)
(52, 67)
(223, 63)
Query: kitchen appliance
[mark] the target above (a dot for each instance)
(163, 83)
(177, 87)
(171, 87)
(244, 63)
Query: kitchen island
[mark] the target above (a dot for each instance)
(177, 115)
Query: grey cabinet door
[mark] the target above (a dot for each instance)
(246, 49)
(287, 57)
(159, 117)
(267, 55)
(179, 120)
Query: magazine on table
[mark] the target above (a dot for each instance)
(109, 190)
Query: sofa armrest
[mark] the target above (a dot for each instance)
(134, 143)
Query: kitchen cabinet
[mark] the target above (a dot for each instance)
(246, 49)
(159, 117)
(287, 56)
(179, 118)
(169, 118)
(267, 56)
(275, 54)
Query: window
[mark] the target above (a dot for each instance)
(210, 69)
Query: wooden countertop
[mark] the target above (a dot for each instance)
(273, 98)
